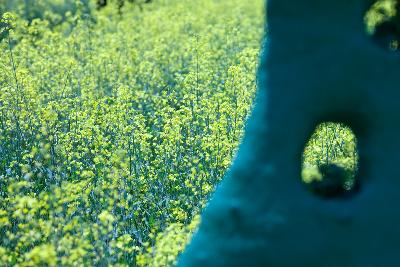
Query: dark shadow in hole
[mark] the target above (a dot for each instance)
(333, 182)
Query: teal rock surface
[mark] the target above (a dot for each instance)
(318, 65)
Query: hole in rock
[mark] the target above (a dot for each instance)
(330, 161)
(382, 23)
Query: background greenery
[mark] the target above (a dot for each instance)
(117, 124)
(115, 129)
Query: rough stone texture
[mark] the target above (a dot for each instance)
(319, 65)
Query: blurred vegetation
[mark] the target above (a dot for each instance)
(53, 11)
(383, 24)
(121, 3)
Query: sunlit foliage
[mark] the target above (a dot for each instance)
(115, 128)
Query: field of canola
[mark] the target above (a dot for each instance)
(115, 129)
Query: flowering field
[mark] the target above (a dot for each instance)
(115, 128)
